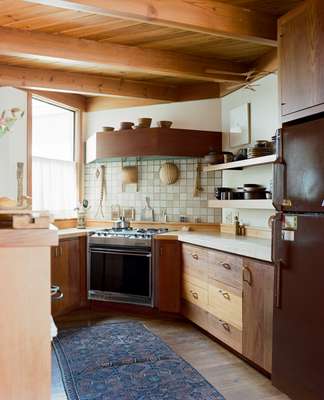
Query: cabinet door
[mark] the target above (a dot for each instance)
(258, 288)
(168, 275)
(301, 58)
(68, 272)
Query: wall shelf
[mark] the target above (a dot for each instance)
(242, 164)
(251, 204)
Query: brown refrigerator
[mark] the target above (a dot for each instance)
(298, 244)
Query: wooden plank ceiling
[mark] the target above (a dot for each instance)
(163, 57)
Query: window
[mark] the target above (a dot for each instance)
(53, 150)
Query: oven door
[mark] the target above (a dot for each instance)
(120, 275)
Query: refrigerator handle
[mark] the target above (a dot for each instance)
(277, 289)
(276, 239)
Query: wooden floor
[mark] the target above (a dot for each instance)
(235, 379)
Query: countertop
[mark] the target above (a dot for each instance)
(242, 245)
(73, 232)
(29, 237)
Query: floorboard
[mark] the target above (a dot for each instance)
(234, 378)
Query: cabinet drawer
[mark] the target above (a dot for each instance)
(195, 261)
(225, 303)
(194, 294)
(225, 268)
(195, 314)
(225, 332)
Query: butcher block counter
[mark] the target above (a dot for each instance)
(25, 350)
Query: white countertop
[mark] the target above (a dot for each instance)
(73, 232)
(242, 245)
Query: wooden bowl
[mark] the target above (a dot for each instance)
(108, 128)
(164, 124)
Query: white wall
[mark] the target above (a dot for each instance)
(264, 122)
(178, 198)
(203, 115)
(13, 145)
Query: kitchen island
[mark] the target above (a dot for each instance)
(25, 349)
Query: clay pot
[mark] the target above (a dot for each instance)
(126, 125)
(164, 124)
(144, 123)
(169, 173)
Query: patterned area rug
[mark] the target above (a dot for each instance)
(125, 361)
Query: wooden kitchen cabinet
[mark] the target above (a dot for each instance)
(167, 266)
(301, 57)
(68, 271)
(231, 297)
(258, 288)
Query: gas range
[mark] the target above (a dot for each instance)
(121, 237)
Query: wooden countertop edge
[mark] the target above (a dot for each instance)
(28, 237)
(166, 236)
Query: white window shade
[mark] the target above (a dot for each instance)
(54, 174)
(54, 186)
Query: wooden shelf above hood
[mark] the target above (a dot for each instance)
(152, 142)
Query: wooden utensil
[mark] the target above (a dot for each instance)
(147, 212)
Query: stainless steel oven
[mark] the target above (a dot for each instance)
(120, 274)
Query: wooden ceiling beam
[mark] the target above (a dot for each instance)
(204, 16)
(62, 81)
(69, 82)
(60, 48)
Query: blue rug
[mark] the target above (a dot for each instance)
(125, 361)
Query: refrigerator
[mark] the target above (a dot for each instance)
(298, 255)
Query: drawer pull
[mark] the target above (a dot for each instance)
(194, 294)
(226, 295)
(194, 256)
(226, 266)
(226, 326)
(247, 276)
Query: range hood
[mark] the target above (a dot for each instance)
(152, 142)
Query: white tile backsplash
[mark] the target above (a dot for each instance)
(177, 199)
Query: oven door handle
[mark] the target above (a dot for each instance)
(121, 253)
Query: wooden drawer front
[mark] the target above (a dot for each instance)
(226, 268)
(225, 303)
(195, 314)
(225, 332)
(194, 294)
(195, 261)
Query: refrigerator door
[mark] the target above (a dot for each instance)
(300, 180)
(298, 331)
